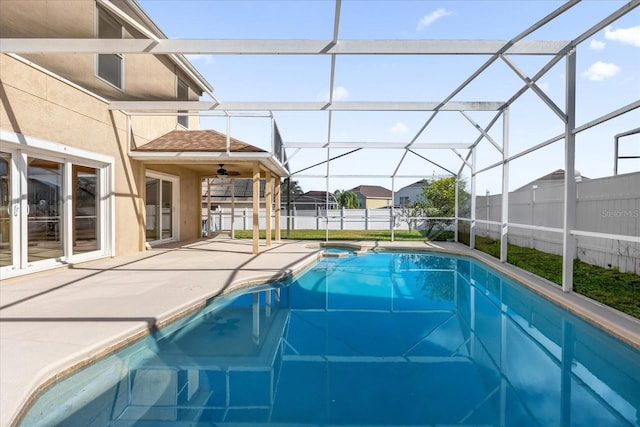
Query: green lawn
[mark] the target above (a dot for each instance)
(608, 286)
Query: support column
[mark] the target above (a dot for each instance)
(392, 219)
(233, 207)
(276, 191)
(505, 186)
(457, 190)
(208, 207)
(256, 208)
(472, 227)
(568, 241)
(267, 206)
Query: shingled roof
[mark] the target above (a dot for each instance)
(197, 140)
(372, 191)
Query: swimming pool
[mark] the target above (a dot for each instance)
(388, 338)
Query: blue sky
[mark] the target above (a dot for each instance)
(608, 77)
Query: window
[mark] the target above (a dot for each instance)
(405, 200)
(110, 65)
(183, 95)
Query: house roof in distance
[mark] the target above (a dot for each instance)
(556, 175)
(373, 191)
(197, 140)
(418, 184)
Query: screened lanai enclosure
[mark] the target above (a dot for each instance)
(543, 152)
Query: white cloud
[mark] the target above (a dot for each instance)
(431, 18)
(596, 44)
(339, 93)
(624, 35)
(601, 70)
(206, 59)
(399, 128)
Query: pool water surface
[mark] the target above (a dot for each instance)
(387, 338)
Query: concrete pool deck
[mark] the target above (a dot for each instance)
(54, 322)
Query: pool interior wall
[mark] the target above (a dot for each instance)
(388, 339)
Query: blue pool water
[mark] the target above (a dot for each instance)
(386, 339)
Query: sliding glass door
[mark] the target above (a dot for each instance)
(7, 210)
(161, 204)
(52, 211)
(44, 209)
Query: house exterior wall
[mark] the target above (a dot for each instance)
(411, 191)
(371, 203)
(39, 105)
(146, 77)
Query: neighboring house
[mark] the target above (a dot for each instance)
(311, 201)
(554, 178)
(80, 180)
(373, 196)
(408, 195)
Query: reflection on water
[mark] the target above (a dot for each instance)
(382, 339)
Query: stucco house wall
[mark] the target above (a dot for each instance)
(39, 105)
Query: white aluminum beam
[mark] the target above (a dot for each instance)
(557, 110)
(504, 228)
(302, 106)
(282, 47)
(570, 187)
(378, 145)
(559, 11)
(482, 131)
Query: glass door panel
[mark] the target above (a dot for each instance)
(6, 210)
(160, 203)
(167, 204)
(152, 204)
(44, 198)
(85, 209)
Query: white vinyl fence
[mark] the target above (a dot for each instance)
(605, 205)
(338, 219)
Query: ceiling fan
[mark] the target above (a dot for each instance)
(222, 172)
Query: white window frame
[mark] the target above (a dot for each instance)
(175, 205)
(180, 81)
(103, 13)
(21, 147)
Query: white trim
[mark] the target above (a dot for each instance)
(535, 227)
(21, 141)
(14, 211)
(606, 236)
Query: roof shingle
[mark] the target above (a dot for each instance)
(197, 140)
